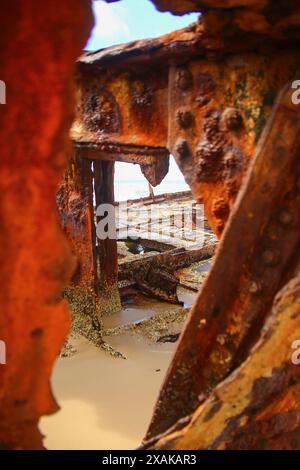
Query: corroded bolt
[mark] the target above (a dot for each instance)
(185, 119)
(182, 149)
(184, 79)
(285, 217)
(202, 100)
(269, 257)
(232, 119)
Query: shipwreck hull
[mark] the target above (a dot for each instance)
(213, 99)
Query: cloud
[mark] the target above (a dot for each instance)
(110, 24)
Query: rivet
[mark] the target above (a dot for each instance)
(184, 79)
(285, 217)
(202, 100)
(269, 257)
(232, 119)
(185, 119)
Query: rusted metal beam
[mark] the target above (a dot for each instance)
(76, 208)
(36, 261)
(106, 248)
(188, 93)
(240, 23)
(257, 407)
(155, 274)
(256, 256)
(217, 115)
(206, 98)
(154, 161)
(171, 260)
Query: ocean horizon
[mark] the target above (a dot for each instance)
(130, 183)
(134, 189)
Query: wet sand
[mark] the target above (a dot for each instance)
(107, 402)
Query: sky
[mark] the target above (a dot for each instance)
(126, 21)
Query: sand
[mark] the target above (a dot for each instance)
(106, 402)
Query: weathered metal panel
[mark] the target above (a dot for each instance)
(124, 107)
(255, 258)
(217, 112)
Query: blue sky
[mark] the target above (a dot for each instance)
(125, 21)
(129, 20)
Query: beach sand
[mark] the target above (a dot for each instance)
(106, 403)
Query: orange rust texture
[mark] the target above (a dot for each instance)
(107, 251)
(218, 109)
(76, 208)
(188, 92)
(38, 47)
(257, 406)
(255, 258)
(127, 107)
(242, 18)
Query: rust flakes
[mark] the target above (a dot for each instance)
(100, 112)
(210, 149)
(220, 208)
(184, 79)
(185, 119)
(232, 120)
(182, 149)
(233, 162)
(205, 86)
(141, 94)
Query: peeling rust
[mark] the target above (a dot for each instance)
(204, 93)
(184, 79)
(100, 112)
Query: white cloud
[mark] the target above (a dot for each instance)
(110, 22)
